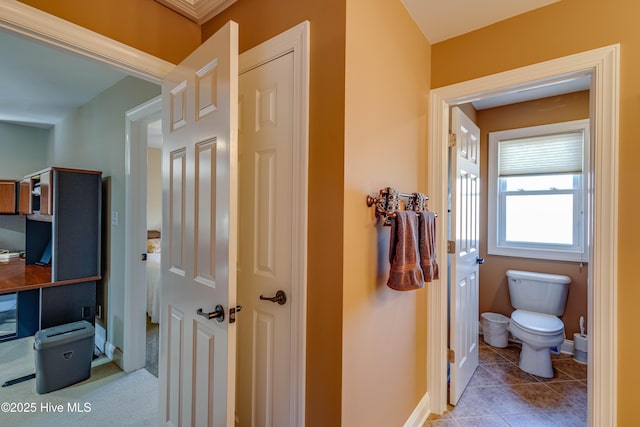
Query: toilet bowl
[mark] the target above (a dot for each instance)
(539, 299)
(538, 333)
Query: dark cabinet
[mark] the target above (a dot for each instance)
(63, 230)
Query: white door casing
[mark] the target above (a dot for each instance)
(137, 123)
(290, 50)
(603, 65)
(464, 280)
(199, 239)
(265, 243)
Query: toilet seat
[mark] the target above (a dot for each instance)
(537, 323)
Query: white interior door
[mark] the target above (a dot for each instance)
(199, 236)
(265, 226)
(464, 278)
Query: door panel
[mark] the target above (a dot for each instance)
(463, 280)
(266, 170)
(199, 251)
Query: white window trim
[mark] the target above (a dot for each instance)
(492, 232)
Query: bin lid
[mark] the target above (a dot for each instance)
(495, 317)
(63, 334)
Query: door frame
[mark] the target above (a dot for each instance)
(603, 65)
(136, 144)
(51, 30)
(296, 40)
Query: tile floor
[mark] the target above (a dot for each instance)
(500, 394)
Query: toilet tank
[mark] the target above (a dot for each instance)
(538, 292)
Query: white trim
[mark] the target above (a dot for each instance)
(603, 65)
(294, 40)
(496, 240)
(420, 413)
(135, 277)
(199, 11)
(113, 353)
(53, 31)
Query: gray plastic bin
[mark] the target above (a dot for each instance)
(63, 355)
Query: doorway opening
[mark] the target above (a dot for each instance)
(484, 364)
(603, 67)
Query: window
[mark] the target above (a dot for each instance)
(538, 191)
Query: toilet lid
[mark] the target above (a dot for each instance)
(537, 322)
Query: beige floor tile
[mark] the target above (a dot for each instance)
(504, 400)
(576, 391)
(529, 420)
(510, 373)
(541, 397)
(511, 352)
(450, 422)
(501, 394)
(487, 355)
(483, 422)
(574, 369)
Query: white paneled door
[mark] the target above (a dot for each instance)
(464, 178)
(199, 236)
(264, 268)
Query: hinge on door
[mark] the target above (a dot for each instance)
(451, 246)
(452, 140)
(451, 355)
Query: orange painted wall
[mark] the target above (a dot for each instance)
(386, 102)
(144, 24)
(494, 290)
(560, 29)
(260, 20)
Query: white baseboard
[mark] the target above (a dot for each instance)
(420, 413)
(113, 353)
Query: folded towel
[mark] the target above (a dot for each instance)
(427, 245)
(405, 273)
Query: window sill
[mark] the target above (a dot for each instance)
(539, 254)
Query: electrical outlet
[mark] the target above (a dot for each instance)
(114, 218)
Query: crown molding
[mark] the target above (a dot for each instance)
(199, 11)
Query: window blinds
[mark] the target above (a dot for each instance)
(545, 154)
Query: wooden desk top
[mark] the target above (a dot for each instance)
(16, 276)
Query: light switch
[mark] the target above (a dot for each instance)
(114, 218)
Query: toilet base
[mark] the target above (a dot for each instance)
(536, 361)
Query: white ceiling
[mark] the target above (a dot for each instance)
(440, 20)
(40, 84)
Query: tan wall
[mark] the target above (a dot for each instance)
(144, 24)
(494, 290)
(560, 29)
(260, 20)
(384, 331)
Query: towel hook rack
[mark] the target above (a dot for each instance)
(387, 203)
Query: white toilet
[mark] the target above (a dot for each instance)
(538, 299)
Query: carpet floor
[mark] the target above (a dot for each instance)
(110, 397)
